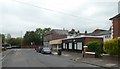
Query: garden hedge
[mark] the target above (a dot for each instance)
(112, 47)
(96, 47)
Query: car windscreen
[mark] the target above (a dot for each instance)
(6, 45)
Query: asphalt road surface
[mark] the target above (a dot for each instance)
(30, 58)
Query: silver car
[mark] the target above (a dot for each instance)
(46, 50)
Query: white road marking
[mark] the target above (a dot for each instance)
(66, 55)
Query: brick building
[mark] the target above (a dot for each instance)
(55, 34)
(74, 43)
(77, 43)
(116, 26)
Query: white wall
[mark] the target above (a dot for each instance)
(107, 37)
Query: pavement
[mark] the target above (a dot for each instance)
(101, 62)
(3, 55)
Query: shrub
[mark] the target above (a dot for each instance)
(96, 47)
(112, 47)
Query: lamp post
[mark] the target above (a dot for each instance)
(21, 39)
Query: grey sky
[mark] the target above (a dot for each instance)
(24, 15)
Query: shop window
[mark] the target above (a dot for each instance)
(75, 46)
(64, 46)
(70, 45)
(79, 46)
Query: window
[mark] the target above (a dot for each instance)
(107, 36)
(79, 45)
(75, 46)
(70, 45)
(64, 46)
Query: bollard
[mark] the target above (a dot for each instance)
(85, 50)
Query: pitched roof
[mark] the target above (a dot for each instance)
(117, 16)
(104, 33)
(59, 32)
(99, 32)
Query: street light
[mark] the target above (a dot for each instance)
(21, 39)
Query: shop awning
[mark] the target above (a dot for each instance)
(59, 41)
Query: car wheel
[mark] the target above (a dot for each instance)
(39, 51)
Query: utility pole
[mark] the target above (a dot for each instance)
(21, 39)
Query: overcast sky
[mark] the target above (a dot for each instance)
(25, 15)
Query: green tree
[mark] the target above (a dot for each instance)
(41, 32)
(18, 41)
(3, 38)
(35, 36)
(12, 41)
(29, 37)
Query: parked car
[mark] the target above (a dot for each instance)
(8, 46)
(46, 50)
(39, 49)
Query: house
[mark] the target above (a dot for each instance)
(116, 26)
(55, 34)
(100, 32)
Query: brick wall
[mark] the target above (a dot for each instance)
(116, 27)
(89, 39)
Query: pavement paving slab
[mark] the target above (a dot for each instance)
(93, 61)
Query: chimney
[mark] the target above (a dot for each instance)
(86, 32)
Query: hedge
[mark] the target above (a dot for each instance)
(112, 47)
(96, 47)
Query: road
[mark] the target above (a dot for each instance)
(30, 58)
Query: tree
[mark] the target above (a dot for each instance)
(29, 37)
(8, 36)
(18, 41)
(41, 32)
(36, 36)
(2, 37)
(12, 41)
